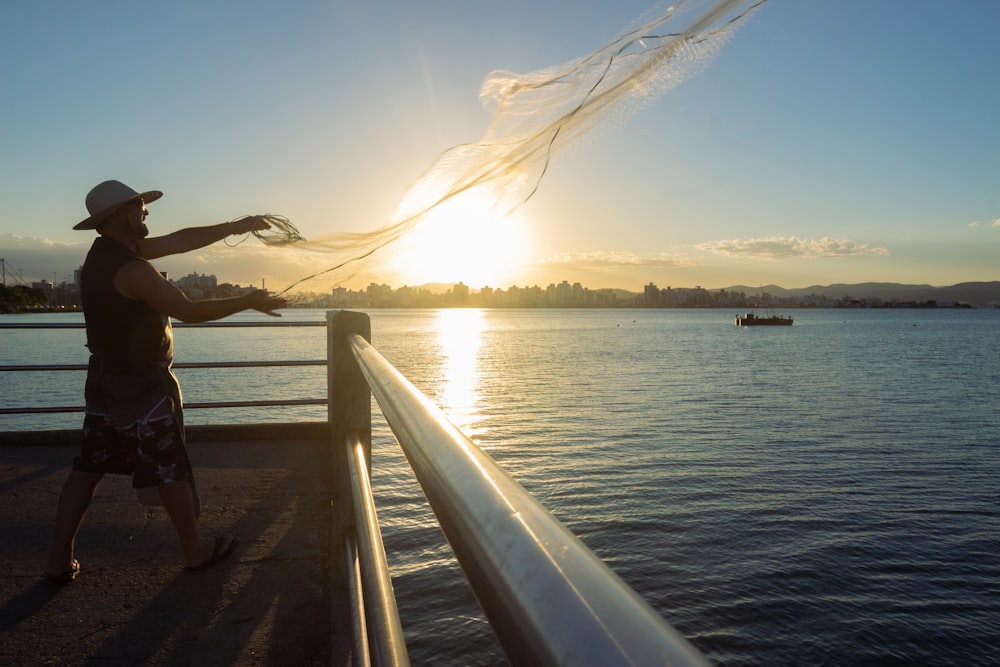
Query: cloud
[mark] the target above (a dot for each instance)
(977, 223)
(33, 259)
(791, 247)
(611, 260)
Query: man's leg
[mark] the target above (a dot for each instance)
(178, 500)
(77, 492)
(162, 460)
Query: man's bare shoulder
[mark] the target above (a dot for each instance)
(136, 277)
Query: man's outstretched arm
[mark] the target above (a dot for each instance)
(139, 280)
(192, 238)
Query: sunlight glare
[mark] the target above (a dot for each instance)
(460, 333)
(463, 240)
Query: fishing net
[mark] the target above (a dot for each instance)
(536, 114)
(281, 233)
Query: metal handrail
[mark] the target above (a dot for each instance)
(378, 598)
(176, 325)
(265, 403)
(275, 403)
(190, 364)
(549, 599)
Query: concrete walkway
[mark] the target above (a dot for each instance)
(133, 603)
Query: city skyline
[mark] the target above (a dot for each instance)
(824, 144)
(563, 293)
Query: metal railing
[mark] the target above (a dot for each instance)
(263, 403)
(548, 598)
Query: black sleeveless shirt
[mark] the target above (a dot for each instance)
(125, 336)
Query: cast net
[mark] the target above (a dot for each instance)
(537, 114)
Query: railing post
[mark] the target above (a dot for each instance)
(349, 409)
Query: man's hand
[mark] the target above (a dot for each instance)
(261, 300)
(251, 223)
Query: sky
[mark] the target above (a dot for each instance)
(828, 142)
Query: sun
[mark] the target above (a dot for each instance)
(463, 240)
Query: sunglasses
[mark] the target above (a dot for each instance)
(142, 207)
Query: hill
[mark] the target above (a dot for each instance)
(973, 293)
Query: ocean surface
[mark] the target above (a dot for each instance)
(821, 494)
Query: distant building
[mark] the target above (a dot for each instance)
(460, 294)
(651, 296)
(197, 286)
(379, 296)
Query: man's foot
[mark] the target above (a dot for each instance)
(220, 551)
(64, 578)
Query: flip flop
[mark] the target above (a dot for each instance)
(218, 553)
(66, 577)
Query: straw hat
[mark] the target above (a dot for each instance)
(107, 198)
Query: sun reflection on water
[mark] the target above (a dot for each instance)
(460, 334)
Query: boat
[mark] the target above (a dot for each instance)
(753, 320)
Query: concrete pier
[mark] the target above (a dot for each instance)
(271, 602)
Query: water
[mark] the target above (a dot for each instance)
(824, 493)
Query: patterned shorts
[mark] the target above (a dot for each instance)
(152, 452)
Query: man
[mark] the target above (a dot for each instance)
(134, 422)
